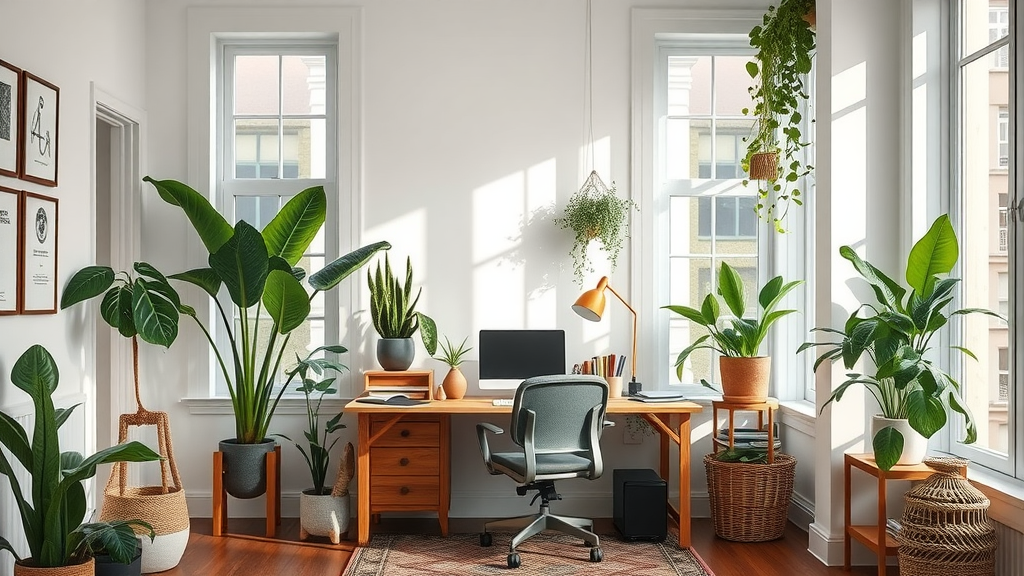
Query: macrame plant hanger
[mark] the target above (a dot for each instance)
(593, 185)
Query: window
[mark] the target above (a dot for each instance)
(979, 200)
(276, 124)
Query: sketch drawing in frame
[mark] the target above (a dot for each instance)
(10, 250)
(40, 113)
(10, 127)
(38, 254)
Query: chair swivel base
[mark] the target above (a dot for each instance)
(533, 524)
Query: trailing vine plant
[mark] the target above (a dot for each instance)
(595, 212)
(784, 42)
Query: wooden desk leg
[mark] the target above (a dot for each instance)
(277, 493)
(445, 479)
(684, 480)
(363, 472)
(846, 513)
(272, 490)
(881, 524)
(664, 450)
(220, 508)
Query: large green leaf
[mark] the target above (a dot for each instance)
(691, 314)
(888, 445)
(205, 278)
(338, 270)
(291, 231)
(709, 310)
(730, 286)
(886, 289)
(15, 439)
(934, 254)
(155, 311)
(286, 301)
(926, 414)
(242, 264)
(212, 228)
(116, 309)
(87, 283)
(428, 332)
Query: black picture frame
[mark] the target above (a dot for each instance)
(10, 119)
(40, 125)
(10, 251)
(39, 263)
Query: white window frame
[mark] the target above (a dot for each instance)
(207, 27)
(655, 32)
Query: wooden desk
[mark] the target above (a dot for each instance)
(375, 422)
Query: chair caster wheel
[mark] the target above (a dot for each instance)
(513, 560)
(485, 539)
(595, 554)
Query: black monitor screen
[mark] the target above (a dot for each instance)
(521, 353)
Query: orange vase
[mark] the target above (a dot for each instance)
(454, 384)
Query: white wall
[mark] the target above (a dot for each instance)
(70, 44)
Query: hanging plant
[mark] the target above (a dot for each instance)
(784, 42)
(595, 212)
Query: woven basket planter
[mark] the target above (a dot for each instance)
(946, 529)
(764, 166)
(750, 502)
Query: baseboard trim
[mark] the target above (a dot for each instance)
(801, 512)
(823, 546)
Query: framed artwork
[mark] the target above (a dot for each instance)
(10, 107)
(10, 250)
(38, 254)
(40, 106)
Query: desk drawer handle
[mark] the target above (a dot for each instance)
(405, 433)
(404, 490)
(403, 462)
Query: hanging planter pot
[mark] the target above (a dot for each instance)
(764, 166)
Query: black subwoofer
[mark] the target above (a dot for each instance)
(640, 504)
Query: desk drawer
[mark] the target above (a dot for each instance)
(405, 461)
(404, 491)
(405, 433)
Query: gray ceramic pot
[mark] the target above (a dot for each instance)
(245, 467)
(395, 353)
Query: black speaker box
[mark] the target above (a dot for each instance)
(640, 504)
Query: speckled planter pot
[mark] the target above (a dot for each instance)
(245, 467)
(323, 515)
(395, 353)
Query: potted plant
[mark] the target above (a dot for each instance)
(784, 42)
(454, 383)
(266, 301)
(394, 315)
(146, 306)
(897, 332)
(745, 375)
(595, 212)
(109, 565)
(322, 511)
(55, 505)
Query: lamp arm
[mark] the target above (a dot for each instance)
(632, 359)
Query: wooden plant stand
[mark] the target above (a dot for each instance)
(220, 495)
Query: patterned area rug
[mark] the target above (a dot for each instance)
(546, 554)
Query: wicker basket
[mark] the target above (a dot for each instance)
(946, 529)
(764, 166)
(750, 502)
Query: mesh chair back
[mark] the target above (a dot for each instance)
(561, 404)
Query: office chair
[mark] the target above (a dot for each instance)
(557, 420)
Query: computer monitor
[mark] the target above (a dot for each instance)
(507, 357)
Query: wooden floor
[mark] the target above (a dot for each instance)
(254, 555)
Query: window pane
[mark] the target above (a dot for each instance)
(304, 84)
(256, 150)
(731, 83)
(305, 148)
(689, 218)
(687, 149)
(690, 284)
(689, 85)
(984, 22)
(256, 210)
(256, 85)
(983, 258)
(726, 218)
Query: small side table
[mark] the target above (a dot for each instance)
(874, 537)
(769, 406)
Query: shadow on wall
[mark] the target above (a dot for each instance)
(541, 244)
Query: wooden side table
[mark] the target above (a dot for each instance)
(874, 537)
(769, 406)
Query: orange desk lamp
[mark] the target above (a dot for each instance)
(590, 306)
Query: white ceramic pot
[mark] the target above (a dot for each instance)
(323, 515)
(914, 444)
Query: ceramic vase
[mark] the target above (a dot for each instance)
(914, 445)
(245, 467)
(745, 379)
(395, 354)
(454, 384)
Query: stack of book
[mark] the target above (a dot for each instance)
(748, 438)
(892, 527)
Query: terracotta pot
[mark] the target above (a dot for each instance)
(454, 384)
(914, 445)
(84, 569)
(764, 166)
(745, 379)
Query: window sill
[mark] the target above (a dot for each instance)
(1005, 493)
(288, 406)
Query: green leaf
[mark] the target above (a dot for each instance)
(730, 286)
(155, 311)
(15, 439)
(935, 253)
(692, 314)
(428, 332)
(286, 301)
(116, 309)
(752, 69)
(87, 283)
(926, 414)
(886, 289)
(242, 264)
(956, 404)
(888, 446)
(330, 275)
(709, 310)
(292, 230)
(212, 228)
(205, 278)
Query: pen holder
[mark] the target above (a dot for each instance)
(614, 386)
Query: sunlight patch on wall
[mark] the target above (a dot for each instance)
(597, 157)
(849, 87)
(408, 237)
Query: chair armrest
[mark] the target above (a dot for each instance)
(482, 429)
(608, 423)
(595, 424)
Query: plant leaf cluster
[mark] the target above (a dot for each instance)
(595, 213)
(259, 272)
(784, 42)
(896, 333)
(743, 455)
(452, 355)
(53, 511)
(743, 336)
(393, 307)
(314, 385)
